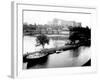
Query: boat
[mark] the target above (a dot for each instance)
(35, 56)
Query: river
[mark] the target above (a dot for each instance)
(70, 58)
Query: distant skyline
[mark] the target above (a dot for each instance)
(38, 17)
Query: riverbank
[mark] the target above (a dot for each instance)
(46, 52)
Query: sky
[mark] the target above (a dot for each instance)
(31, 17)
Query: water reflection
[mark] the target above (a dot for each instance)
(69, 58)
(75, 52)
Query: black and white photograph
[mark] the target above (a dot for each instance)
(56, 39)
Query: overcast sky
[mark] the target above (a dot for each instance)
(38, 17)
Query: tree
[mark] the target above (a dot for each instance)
(42, 40)
(80, 34)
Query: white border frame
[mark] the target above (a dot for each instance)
(17, 11)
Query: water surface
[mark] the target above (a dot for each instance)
(69, 58)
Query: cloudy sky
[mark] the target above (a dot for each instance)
(38, 17)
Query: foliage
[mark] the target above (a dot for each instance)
(28, 29)
(42, 40)
(29, 26)
(81, 34)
